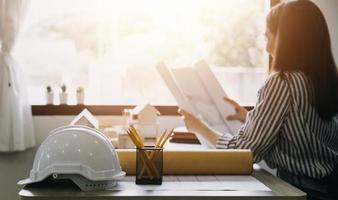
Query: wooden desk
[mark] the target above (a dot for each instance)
(279, 190)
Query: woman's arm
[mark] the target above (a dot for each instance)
(240, 113)
(330, 139)
(198, 126)
(264, 122)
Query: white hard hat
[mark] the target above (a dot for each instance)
(79, 153)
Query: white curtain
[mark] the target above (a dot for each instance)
(16, 125)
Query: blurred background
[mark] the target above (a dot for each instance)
(110, 46)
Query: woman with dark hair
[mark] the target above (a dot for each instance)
(294, 124)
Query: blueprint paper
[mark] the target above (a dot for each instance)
(197, 90)
(216, 92)
(174, 88)
(197, 183)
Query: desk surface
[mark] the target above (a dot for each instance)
(279, 190)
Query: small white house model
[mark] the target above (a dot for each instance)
(85, 118)
(144, 118)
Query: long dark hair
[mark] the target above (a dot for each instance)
(302, 42)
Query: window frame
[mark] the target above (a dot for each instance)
(112, 110)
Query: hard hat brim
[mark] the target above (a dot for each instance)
(26, 181)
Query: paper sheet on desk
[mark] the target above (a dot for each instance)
(197, 183)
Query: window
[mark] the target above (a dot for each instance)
(110, 46)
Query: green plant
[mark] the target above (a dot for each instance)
(49, 89)
(79, 89)
(63, 88)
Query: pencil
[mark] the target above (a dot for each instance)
(159, 144)
(132, 132)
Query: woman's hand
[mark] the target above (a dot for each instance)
(198, 126)
(194, 124)
(240, 111)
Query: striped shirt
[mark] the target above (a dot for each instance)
(285, 130)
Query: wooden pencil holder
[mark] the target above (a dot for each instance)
(149, 165)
